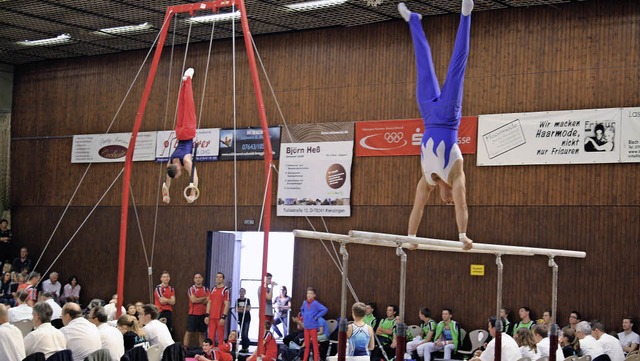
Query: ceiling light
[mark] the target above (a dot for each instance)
(127, 29)
(313, 5)
(58, 40)
(215, 17)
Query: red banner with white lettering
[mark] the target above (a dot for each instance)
(403, 137)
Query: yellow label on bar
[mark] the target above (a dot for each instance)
(477, 270)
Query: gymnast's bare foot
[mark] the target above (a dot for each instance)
(413, 246)
(165, 193)
(467, 243)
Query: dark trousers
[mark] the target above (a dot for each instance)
(168, 315)
(243, 323)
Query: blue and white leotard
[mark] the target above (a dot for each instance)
(440, 110)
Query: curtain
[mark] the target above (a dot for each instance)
(5, 164)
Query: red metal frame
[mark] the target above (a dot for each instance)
(214, 6)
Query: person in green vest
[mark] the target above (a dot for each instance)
(447, 337)
(369, 317)
(525, 320)
(384, 334)
(428, 329)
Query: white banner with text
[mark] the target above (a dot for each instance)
(314, 176)
(559, 137)
(208, 141)
(111, 148)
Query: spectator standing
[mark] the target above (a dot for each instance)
(243, 310)
(6, 246)
(360, 337)
(310, 312)
(217, 309)
(164, 298)
(198, 296)
(268, 308)
(283, 305)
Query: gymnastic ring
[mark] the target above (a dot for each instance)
(189, 188)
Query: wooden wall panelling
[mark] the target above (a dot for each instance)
(578, 55)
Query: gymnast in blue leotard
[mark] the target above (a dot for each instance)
(185, 132)
(441, 111)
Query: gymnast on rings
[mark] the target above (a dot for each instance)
(185, 132)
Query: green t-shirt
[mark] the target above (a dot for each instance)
(521, 324)
(370, 320)
(387, 324)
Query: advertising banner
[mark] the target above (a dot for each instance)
(206, 139)
(630, 135)
(315, 171)
(403, 137)
(560, 137)
(248, 143)
(110, 148)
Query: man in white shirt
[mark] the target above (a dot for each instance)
(610, 344)
(543, 343)
(628, 339)
(55, 307)
(83, 338)
(110, 336)
(52, 285)
(156, 331)
(45, 338)
(111, 308)
(11, 343)
(588, 344)
(510, 349)
(22, 311)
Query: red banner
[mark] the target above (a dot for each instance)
(403, 137)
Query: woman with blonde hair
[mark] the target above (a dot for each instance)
(524, 339)
(131, 332)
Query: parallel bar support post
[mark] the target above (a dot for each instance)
(498, 350)
(499, 285)
(345, 276)
(342, 326)
(401, 333)
(553, 342)
(554, 289)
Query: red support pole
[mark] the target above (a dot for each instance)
(171, 11)
(129, 159)
(268, 159)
